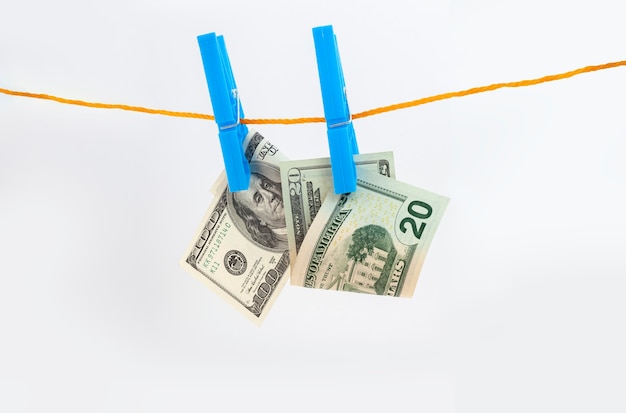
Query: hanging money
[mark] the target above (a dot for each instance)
(240, 249)
(373, 240)
(306, 183)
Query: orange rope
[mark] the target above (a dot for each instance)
(364, 114)
(108, 105)
(481, 89)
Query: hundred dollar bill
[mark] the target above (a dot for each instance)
(240, 248)
(306, 183)
(373, 240)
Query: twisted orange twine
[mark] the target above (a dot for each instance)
(292, 121)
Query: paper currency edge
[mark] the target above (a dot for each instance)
(417, 265)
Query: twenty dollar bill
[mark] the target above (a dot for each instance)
(306, 183)
(240, 249)
(373, 240)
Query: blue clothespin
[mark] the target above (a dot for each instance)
(226, 108)
(341, 137)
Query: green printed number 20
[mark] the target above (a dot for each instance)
(416, 209)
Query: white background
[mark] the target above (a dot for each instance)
(520, 302)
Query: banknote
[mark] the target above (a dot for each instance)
(373, 240)
(240, 249)
(306, 183)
